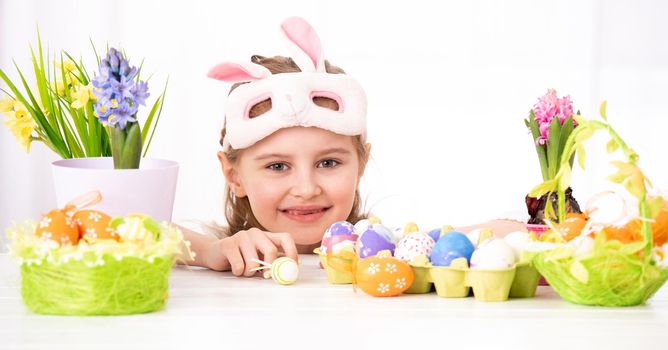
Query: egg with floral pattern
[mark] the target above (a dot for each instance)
(57, 226)
(383, 276)
(94, 225)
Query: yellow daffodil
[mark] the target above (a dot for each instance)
(20, 123)
(67, 65)
(6, 104)
(82, 96)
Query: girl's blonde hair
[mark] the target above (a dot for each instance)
(238, 211)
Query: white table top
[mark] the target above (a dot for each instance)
(208, 309)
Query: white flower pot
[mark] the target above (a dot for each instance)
(148, 190)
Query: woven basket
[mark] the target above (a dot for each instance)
(613, 273)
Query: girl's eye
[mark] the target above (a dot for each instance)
(278, 167)
(328, 163)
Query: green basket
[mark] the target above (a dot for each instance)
(117, 287)
(613, 273)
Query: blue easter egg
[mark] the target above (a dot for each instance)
(371, 242)
(435, 234)
(341, 228)
(451, 246)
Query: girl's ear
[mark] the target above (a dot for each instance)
(231, 175)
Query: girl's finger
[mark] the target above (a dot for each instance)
(266, 247)
(249, 252)
(235, 259)
(285, 241)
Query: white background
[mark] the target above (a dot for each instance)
(449, 84)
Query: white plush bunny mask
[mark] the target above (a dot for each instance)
(291, 94)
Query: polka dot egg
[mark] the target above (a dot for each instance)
(412, 245)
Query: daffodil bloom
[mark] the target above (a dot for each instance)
(82, 96)
(6, 104)
(67, 65)
(21, 124)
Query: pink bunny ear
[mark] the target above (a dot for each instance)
(238, 72)
(300, 32)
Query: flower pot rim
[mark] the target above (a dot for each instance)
(106, 164)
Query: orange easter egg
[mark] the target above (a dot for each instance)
(632, 231)
(381, 276)
(626, 234)
(572, 225)
(93, 225)
(59, 227)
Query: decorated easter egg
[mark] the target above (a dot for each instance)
(284, 271)
(376, 238)
(57, 226)
(493, 254)
(412, 245)
(383, 276)
(340, 235)
(93, 224)
(450, 246)
(435, 234)
(518, 241)
(135, 227)
(572, 225)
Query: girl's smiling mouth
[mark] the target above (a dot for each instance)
(304, 214)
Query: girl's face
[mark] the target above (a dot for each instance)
(298, 180)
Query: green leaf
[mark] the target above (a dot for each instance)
(579, 271)
(131, 153)
(585, 132)
(564, 177)
(553, 147)
(655, 205)
(612, 146)
(632, 248)
(155, 124)
(581, 156)
(618, 177)
(566, 130)
(543, 188)
(604, 106)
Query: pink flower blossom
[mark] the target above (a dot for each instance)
(548, 107)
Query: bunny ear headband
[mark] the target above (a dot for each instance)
(291, 94)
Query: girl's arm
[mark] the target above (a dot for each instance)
(238, 253)
(500, 227)
(199, 244)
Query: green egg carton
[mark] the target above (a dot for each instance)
(334, 276)
(519, 281)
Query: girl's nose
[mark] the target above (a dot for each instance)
(305, 185)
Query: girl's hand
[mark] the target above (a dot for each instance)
(237, 252)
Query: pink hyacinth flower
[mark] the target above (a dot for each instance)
(548, 107)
